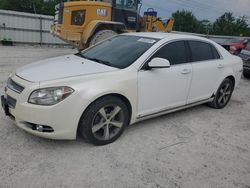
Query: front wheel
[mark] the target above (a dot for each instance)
(223, 94)
(104, 120)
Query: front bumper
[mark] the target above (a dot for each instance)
(62, 117)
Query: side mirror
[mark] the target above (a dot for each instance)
(157, 63)
(245, 41)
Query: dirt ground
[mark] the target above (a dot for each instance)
(194, 148)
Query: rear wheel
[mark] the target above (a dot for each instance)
(223, 94)
(104, 120)
(101, 35)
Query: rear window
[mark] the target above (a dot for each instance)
(202, 51)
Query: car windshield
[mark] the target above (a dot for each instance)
(119, 51)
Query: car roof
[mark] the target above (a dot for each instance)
(164, 35)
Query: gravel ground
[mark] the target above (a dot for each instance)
(194, 148)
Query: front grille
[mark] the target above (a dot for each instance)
(14, 86)
(11, 102)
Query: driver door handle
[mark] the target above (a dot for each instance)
(185, 71)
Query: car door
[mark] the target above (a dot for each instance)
(207, 67)
(164, 88)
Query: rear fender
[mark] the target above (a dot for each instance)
(224, 75)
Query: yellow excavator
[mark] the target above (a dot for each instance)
(85, 23)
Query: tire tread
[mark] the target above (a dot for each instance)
(86, 119)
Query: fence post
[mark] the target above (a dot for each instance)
(41, 30)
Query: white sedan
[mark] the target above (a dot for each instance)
(125, 79)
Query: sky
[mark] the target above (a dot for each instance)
(202, 9)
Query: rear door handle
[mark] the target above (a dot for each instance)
(220, 66)
(185, 71)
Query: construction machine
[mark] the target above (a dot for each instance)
(85, 23)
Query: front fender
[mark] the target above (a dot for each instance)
(93, 95)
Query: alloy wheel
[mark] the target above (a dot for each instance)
(107, 122)
(224, 94)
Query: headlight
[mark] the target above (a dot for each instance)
(50, 96)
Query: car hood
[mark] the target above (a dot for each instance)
(245, 55)
(61, 67)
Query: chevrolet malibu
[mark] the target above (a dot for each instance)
(125, 79)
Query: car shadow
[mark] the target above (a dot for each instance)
(135, 128)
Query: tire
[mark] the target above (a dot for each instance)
(246, 74)
(104, 120)
(223, 95)
(101, 35)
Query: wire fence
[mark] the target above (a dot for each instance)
(22, 27)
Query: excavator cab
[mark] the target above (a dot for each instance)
(125, 11)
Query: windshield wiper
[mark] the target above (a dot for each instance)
(83, 56)
(95, 59)
(101, 61)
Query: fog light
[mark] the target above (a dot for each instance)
(44, 128)
(39, 128)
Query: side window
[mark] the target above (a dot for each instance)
(175, 52)
(215, 53)
(201, 51)
(78, 17)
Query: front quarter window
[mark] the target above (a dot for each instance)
(119, 51)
